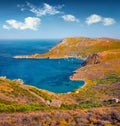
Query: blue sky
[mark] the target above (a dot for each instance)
(38, 19)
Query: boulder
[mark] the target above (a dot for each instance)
(56, 103)
(93, 59)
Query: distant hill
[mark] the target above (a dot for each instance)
(80, 47)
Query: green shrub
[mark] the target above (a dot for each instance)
(90, 105)
(84, 105)
(23, 107)
(68, 107)
(112, 78)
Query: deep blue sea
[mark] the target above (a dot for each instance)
(48, 74)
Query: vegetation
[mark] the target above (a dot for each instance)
(93, 117)
(41, 93)
(23, 107)
(86, 105)
(110, 79)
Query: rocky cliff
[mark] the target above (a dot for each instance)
(93, 59)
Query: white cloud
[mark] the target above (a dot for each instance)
(108, 21)
(6, 27)
(45, 10)
(94, 18)
(29, 23)
(70, 18)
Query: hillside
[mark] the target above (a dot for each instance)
(26, 106)
(79, 47)
(101, 91)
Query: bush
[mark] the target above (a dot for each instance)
(23, 107)
(112, 78)
(81, 106)
(89, 105)
(68, 107)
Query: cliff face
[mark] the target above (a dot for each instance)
(93, 59)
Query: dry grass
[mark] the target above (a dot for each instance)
(99, 116)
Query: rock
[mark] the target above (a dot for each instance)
(48, 102)
(116, 100)
(56, 103)
(94, 59)
(20, 81)
(113, 100)
(77, 92)
(3, 77)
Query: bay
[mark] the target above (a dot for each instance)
(48, 74)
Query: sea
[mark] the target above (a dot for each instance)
(48, 74)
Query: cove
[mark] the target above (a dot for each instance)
(48, 74)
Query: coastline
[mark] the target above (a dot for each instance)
(84, 80)
(27, 57)
(21, 82)
(52, 58)
(64, 57)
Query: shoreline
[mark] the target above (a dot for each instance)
(22, 83)
(52, 58)
(85, 83)
(66, 57)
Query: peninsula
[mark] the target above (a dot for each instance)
(101, 55)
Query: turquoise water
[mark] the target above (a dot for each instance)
(48, 74)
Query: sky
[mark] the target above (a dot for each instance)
(48, 19)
